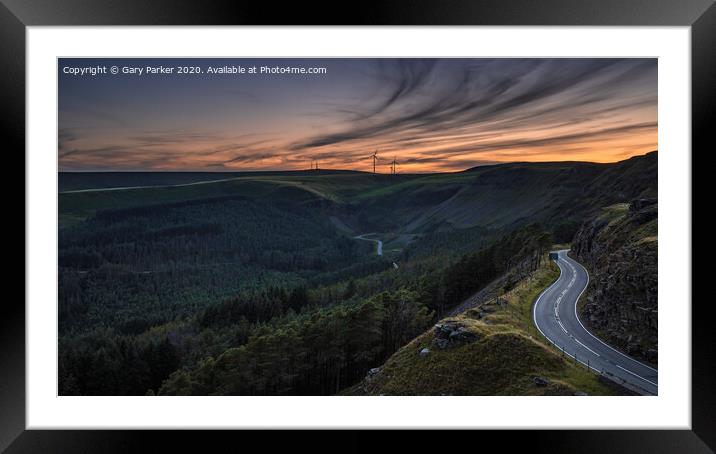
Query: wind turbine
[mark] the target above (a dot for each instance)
(375, 158)
(392, 166)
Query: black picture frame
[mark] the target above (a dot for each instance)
(16, 15)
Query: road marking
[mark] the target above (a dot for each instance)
(586, 330)
(577, 341)
(534, 318)
(638, 376)
(562, 326)
(534, 308)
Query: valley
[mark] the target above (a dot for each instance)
(267, 282)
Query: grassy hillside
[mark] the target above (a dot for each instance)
(336, 188)
(501, 356)
(82, 181)
(501, 196)
(557, 194)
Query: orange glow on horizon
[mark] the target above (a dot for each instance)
(430, 115)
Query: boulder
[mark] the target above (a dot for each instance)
(450, 334)
(425, 352)
(443, 330)
(540, 381)
(441, 343)
(463, 336)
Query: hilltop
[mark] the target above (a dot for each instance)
(82, 181)
(500, 196)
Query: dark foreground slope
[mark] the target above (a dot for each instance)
(619, 249)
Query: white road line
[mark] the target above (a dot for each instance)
(585, 329)
(562, 326)
(638, 376)
(577, 341)
(534, 318)
(534, 308)
(556, 311)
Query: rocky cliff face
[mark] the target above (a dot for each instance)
(619, 249)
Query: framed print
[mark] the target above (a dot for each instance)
(243, 219)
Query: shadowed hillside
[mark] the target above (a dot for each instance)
(559, 195)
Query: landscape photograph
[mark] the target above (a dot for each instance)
(357, 226)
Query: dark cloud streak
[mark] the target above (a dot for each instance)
(485, 93)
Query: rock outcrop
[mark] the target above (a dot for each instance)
(452, 334)
(619, 249)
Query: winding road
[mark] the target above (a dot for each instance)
(555, 315)
(380, 243)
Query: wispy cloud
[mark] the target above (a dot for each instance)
(433, 114)
(480, 94)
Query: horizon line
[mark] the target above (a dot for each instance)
(356, 171)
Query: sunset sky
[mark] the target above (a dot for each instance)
(432, 115)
